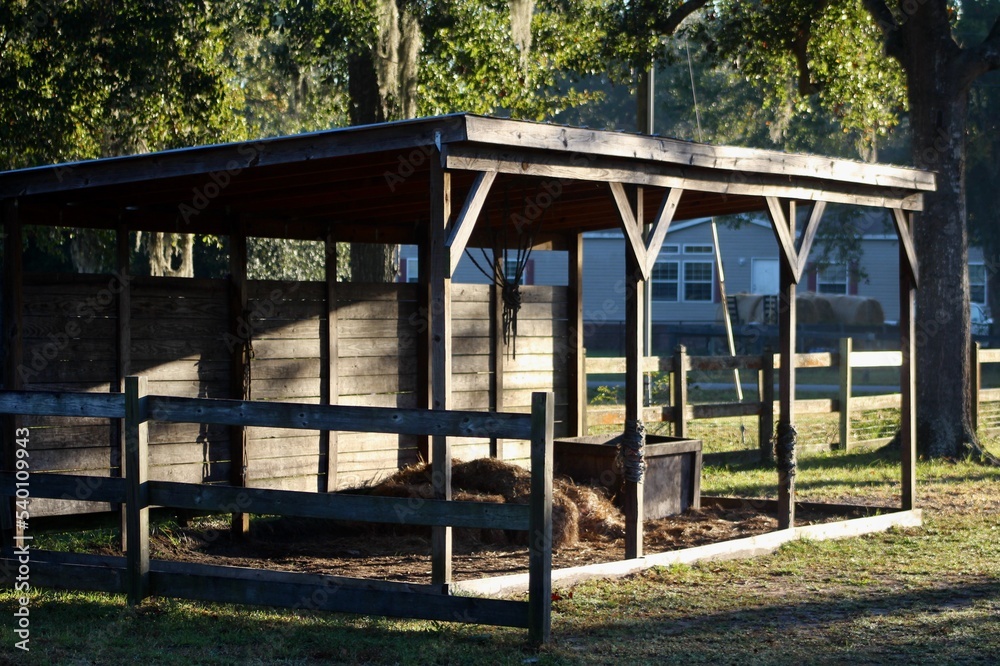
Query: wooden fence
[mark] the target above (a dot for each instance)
(138, 576)
(763, 405)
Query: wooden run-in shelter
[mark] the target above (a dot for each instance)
(444, 184)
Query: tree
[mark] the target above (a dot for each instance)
(94, 79)
(983, 170)
(403, 58)
(830, 49)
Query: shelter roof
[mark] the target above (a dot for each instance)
(371, 183)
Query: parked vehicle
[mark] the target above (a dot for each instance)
(981, 319)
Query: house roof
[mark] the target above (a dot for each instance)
(371, 183)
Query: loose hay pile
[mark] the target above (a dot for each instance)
(578, 512)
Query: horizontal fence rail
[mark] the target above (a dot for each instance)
(847, 405)
(139, 576)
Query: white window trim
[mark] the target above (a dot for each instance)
(698, 248)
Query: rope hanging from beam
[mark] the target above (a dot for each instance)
(509, 282)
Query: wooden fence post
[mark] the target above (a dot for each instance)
(765, 389)
(584, 424)
(540, 523)
(241, 354)
(846, 388)
(136, 490)
(975, 382)
(679, 380)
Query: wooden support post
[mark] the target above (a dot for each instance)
(907, 380)
(423, 336)
(846, 388)
(785, 445)
(241, 351)
(975, 382)
(136, 490)
(331, 387)
(13, 352)
(498, 352)
(123, 344)
(679, 381)
(540, 530)
(575, 352)
(440, 360)
(634, 302)
(765, 423)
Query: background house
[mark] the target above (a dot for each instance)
(686, 301)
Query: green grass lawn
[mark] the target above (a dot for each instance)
(909, 596)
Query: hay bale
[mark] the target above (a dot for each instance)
(493, 476)
(565, 522)
(805, 309)
(487, 480)
(817, 306)
(857, 310)
(599, 517)
(577, 510)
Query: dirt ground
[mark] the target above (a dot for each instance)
(391, 553)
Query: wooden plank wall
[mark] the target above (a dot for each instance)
(470, 365)
(179, 343)
(287, 365)
(181, 340)
(378, 328)
(69, 345)
(541, 360)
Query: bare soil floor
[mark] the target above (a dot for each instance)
(391, 553)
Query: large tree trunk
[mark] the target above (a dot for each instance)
(382, 83)
(938, 112)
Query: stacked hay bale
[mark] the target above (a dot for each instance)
(856, 310)
(813, 308)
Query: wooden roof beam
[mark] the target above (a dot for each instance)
(905, 232)
(808, 236)
(782, 231)
(660, 227)
(633, 235)
(462, 227)
(669, 176)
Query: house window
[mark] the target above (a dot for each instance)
(527, 273)
(665, 281)
(832, 279)
(688, 281)
(698, 281)
(510, 270)
(977, 283)
(698, 249)
(670, 249)
(412, 271)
